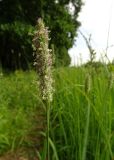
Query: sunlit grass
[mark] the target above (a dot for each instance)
(76, 133)
(18, 103)
(70, 116)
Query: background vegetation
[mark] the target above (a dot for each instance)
(17, 24)
(81, 122)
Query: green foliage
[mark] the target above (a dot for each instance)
(18, 103)
(69, 122)
(74, 110)
(16, 49)
(18, 20)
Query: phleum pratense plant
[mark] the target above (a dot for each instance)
(87, 84)
(111, 80)
(43, 60)
(43, 63)
(87, 92)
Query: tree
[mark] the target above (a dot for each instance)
(17, 24)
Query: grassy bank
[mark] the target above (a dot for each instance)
(81, 123)
(18, 104)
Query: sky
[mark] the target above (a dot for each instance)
(97, 20)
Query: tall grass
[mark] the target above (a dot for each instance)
(18, 103)
(81, 124)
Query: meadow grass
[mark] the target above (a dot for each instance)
(81, 124)
(18, 103)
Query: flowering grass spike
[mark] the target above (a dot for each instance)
(43, 60)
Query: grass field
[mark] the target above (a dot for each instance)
(81, 119)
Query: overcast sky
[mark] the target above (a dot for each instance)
(97, 19)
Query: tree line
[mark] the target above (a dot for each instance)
(17, 24)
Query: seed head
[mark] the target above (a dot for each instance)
(43, 60)
(87, 83)
(111, 80)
